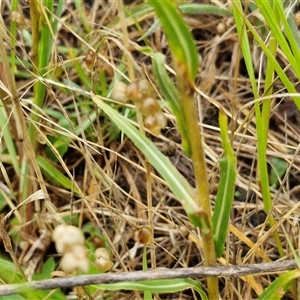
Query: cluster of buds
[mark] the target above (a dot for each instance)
(69, 241)
(142, 94)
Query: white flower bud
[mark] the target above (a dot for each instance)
(149, 106)
(161, 119)
(102, 259)
(119, 92)
(75, 260)
(66, 236)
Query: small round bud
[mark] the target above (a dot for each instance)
(66, 236)
(139, 90)
(119, 92)
(133, 93)
(103, 260)
(150, 123)
(149, 106)
(297, 18)
(143, 235)
(154, 123)
(41, 139)
(75, 260)
(169, 148)
(161, 119)
(90, 60)
(221, 28)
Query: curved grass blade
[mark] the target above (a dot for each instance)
(157, 286)
(172, 97)
(277, 288)
(54, 175)
(225, 193)
(180, 39)
(162, 164)
(4, 126)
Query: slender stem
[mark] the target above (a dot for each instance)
(200, 172)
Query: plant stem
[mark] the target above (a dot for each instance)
(200, 172)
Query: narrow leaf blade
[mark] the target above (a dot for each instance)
(225, 193)
(162, 164)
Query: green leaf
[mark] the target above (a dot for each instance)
(162, 164)
(179, 37)
(224, 199)
(277, 288)
(172, 97)
(278, 169)
(54, 175)
(157, 286)
(8, 139)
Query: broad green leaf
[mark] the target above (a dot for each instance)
(157, 286)
(224, 199)
(54, 175)
(171, 96)
(279, 286)
(162, 164)
(179, 37)
(277, 171)
(8, 139)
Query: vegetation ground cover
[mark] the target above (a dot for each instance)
(65, 160)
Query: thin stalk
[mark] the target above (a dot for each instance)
(200, 171)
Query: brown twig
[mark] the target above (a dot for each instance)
(195, 272)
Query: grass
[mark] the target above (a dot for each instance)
(73, 153)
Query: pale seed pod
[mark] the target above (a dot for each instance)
(90, 60)
(41, 139)
(119, 92)
(75, 260)
(103, 260)
(139, 90)
(143, 235)
(66, 236)
(161, 119)
(221, 28)
(149, 106)
(151, 124)
(169, 148)
(297, 18)
(134, 94)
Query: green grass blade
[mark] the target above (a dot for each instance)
(290, 47)
(240, 20)
(185, 56)
(172, 97)
(224, 199)
(247, 54)
(162, 164)
(277, 288)
(4, 126)
(157, 286)
(54, 175)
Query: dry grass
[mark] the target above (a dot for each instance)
(110, 171)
